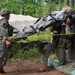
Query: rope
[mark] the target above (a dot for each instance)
(62, 34)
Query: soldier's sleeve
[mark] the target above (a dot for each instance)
(60, 16)
(55, 12)
(4, 23)
(4, 26)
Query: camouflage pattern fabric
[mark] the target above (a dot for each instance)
(3, 53)
(3, 34)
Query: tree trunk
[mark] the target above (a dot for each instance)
(52, 0)
(61, 1)
(67, 2)
(72, 2)
(57, 1)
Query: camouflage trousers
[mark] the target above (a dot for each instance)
(3, 53)
(64, 45)
(60, 49)
(50, 47)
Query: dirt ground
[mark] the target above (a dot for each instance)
(27, 67)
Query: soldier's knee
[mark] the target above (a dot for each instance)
(44, 52)
(48, 48)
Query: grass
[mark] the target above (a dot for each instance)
(33, 53)
(20, 52)
(43, 36)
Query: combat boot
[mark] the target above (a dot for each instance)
(1, 69)
(44, 69)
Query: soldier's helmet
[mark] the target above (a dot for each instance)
(4, 12)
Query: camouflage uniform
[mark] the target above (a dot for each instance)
(64, 44)
(49, 48)
(58, 45)
(4, 33)
(3, 49)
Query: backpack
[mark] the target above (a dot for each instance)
(10, 30)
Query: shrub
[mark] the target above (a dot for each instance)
(33, 53)
(18, 52)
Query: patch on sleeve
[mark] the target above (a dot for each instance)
(4, 25)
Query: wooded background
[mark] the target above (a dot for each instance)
(35, 8)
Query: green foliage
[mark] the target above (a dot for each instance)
(15, 48)
(39, 37)
(44, 36)
(19, 52)
(28, 7)
(32, 53)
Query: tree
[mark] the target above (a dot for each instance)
(57, 1)
(72, 2)
(67, 2)
(61, 1)
(36, 8)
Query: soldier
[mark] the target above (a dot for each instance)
(56, 18)
(71, 52)
(4, 33)
(60, 51)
